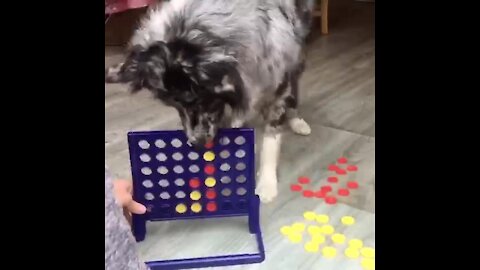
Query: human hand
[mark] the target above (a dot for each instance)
(123, 193)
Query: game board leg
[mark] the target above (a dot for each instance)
(139, 227)
(254, 215)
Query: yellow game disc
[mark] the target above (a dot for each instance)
(295, 237)
(298, 227)
(327, 229)
(210, 182)
(286, 230)
(329, 252)
(196, 207)
(368, 263)
(195, 195)
(311, 246)
(355, 243)
(338, 238)
(318, 238)
(322, 219)
(352, 253)
(309, 215)
(367, 252)
(209, 156)
(348, 220)
(181, 208)
(313, 229)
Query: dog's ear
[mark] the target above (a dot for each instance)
(124, 72)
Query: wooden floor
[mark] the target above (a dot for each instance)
(338, 100)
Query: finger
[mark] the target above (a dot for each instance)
(136, 208)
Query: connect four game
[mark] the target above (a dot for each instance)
(175, 181)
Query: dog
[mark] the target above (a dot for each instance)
(222, 63)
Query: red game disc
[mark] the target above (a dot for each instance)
(308, 193)
(352, 168)
(333, 167)
(342, 160)
(296, 187)
(341, 171)
(209, 169)
(303, 180)
(352, 184)
(194, 183)
(331, 200)
(209, 144)
(211, 207)
(326, 189)
(320, 194)
(211, 194)
(343, 192)
(332, 179)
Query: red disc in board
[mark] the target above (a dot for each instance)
(352, 184)
(308, 193)
(333, 167)
(342, 160)
(211, 194)
(296, 187)
(326, 189)
(331, 200)
(341, 171)
(211, 207)
(209, 169)
(194, 183)
(303, 180)
(343, 192)
(332, 179)
(209, 144)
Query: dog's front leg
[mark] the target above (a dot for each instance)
(267, 181)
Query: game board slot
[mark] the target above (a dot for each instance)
(224, 154)
(226, 192)
(177, 156)
(225, 179)
(178, 169)
(164, 195)
(145, 157)
(241, 191)
(194, 168)
(147, 183)
(163, 183)
(241, 179)
(240, 140)
(240, 166)
(240, 153)
(162, 170)
(160, 144)
(179, 182)
(225, 167)
(180, 194)
(149, 196)
(146, 171)
(144, 144)
(193, 155)
(161, 157)
(224, 140)
(176, 143)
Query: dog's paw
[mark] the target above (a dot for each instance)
(300, 126)
(267, 187)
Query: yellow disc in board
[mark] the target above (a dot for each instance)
(322, 219)
(338, 238)
(209, 156)
(367, 252)
(196, 207)
(286, 230)
(309, 215)
(318, 238)
(295, 237)
(327, 229)
(195, 195)
(298, 227)
(368, 263)
(311, 246)
(181, 208)
(352, 253)
(210, 182)
(355, 243)
(329, 252)
(348, 220)
(313, 229)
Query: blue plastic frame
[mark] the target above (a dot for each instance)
(235, 205)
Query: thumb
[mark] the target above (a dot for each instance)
(136, 208)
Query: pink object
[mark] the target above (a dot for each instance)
(343, 192)
(352, 168)
(342, 160)
(332, 179)
(116, 6)
(341, 171)
(333, 167)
